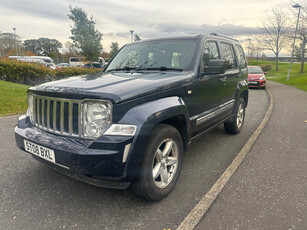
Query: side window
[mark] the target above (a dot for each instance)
(228, 55)
(241, 57)
(211, 52)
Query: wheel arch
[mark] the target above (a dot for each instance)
(242, 91)
(179, 123)
(170, 110)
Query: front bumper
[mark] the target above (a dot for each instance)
(99, 162)
(259, 84)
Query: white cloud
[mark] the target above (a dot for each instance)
(46, 18)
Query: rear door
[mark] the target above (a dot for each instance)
(231, 77)
(241, 62)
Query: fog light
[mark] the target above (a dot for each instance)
(92, 129)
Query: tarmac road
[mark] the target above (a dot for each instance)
(32, 196)
(269, 189)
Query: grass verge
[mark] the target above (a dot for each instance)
(297, 79)
(13, 98)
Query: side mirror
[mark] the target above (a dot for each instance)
(215, 66)
(264, 73)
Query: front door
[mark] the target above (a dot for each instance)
(205, 100)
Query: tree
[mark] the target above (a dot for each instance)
(70, 48)
(8, 44)
(256, 50)
(137, 37)
(43, 46)
(273, 34)
(300, 50)
(31, 45)
(297, 54)
(49, 46)
(84, 34)
(114, 49)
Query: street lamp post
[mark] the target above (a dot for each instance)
(249, 45)
(131, 31)
(15, 41)
(298, 17)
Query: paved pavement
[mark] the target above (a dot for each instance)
(32, 196)
(269, 190)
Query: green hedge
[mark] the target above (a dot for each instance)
(33, 73)
(266, 68)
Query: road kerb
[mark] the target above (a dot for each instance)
(191, 221)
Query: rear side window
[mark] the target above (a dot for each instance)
(227, 54)
(241, 57)
(211, 52)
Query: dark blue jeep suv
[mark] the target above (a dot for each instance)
(130, 124)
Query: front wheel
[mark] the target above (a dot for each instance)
(236, 124)
(161, 165)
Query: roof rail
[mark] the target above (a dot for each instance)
(224, 36)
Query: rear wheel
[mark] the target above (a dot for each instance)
(161, 165)
(236, 124)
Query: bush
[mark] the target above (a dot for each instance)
(23, 72)
(266, 68)
(72, 71)
(33, 73)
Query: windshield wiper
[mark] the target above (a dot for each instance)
(127, 68)
(161, 68)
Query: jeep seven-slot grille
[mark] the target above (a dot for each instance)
(57, 115)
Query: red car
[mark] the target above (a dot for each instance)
(256, 77)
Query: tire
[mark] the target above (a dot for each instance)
(237, 122)
(264, 85)
(160, 168)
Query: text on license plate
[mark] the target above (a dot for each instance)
(40, 151)
(252, 82)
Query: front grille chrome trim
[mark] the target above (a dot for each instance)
(44, 117)
(70, 111)
(62, 116)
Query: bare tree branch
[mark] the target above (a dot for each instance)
(273, 34)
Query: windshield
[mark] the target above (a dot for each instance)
(47, 60)
(74, 59)
(255, 70)
(157, 54)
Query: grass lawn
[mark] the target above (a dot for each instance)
(296, 79)
(13, 98)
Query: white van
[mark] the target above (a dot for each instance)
(76, 61)
(47, 61)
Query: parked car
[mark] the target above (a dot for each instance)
(63, 65)
(95, 65)
(129, 125)
(256, 77)
(76, 61)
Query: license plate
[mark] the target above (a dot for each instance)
(40, 151)
(253, 82)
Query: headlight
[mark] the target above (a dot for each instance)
(262, 78)
(97, 115)
(30, 108)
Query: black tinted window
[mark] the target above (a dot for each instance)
(241, 57)
(211, 52)
(228, 55)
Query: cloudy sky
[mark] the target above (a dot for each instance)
(48, 18)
